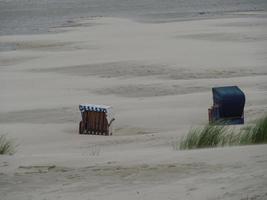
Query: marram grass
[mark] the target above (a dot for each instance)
(255, 134)
(219, 135)
(7, 146)
(208, 136)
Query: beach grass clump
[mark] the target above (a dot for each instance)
(255, 134)
(219, 135)
(208, 136)
(7, 146)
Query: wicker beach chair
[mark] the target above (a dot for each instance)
(96, 119)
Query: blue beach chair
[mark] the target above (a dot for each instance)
(228, 105)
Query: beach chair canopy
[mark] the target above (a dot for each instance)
(230, 99)
(97, 108)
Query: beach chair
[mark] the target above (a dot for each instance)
(228, 105)
(96, 119)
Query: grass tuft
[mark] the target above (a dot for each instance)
(208, 136)
(214, 135)
(7, 146)
(255, 134)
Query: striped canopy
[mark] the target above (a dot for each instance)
(93, 107)
(97, 108)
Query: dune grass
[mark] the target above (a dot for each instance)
(7, 146)
(208, 136)
(216, 135)
(255, 134)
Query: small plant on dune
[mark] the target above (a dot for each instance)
(94, 150)
(174, 144)
(7, 146)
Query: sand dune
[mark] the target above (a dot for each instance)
(158, 78)
(131, 69)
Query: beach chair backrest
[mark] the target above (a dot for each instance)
(230, 99)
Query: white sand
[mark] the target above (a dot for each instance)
(158, 78)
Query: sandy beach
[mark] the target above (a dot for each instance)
(158, 79)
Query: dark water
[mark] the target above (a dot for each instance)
(36, 16)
